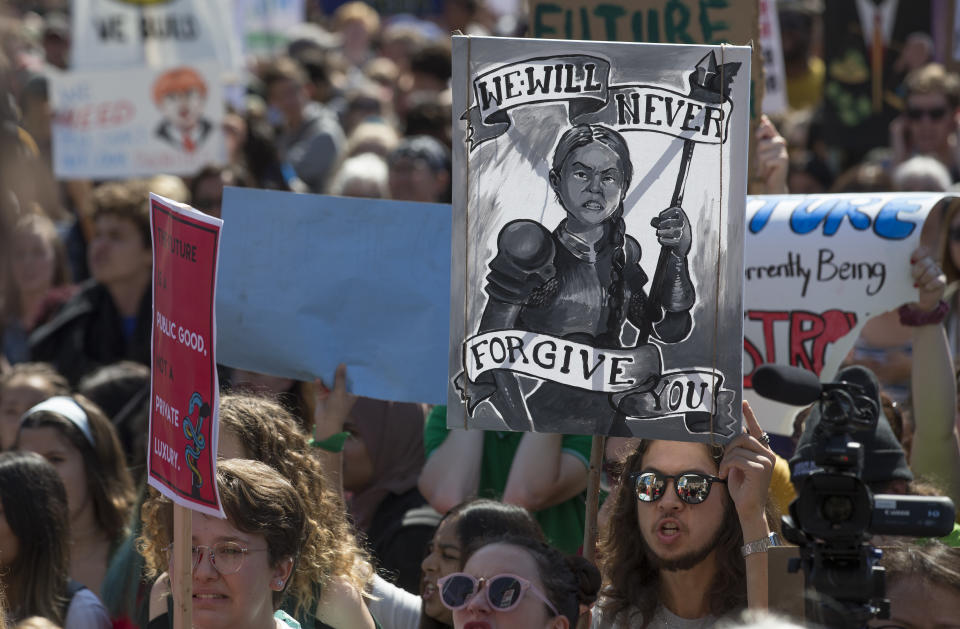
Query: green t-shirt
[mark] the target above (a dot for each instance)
(953, 539)
(563, 524)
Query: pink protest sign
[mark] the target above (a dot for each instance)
(184, 389)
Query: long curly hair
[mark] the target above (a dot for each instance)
(574, 138)
(270, 434)
(631, 580)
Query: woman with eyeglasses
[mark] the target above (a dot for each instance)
(519, 582)
(705, 521)
(329, 583)
(241, 565)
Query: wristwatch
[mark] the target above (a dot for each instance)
(761, 545)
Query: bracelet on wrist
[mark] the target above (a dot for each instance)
(333, 443)
(761, 545)
(913, 317)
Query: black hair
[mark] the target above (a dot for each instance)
(122, 391)
(483, 517)
(480, 518)
(432, 60)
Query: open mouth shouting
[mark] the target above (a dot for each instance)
(668, 530)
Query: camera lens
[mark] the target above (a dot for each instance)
(836, 509)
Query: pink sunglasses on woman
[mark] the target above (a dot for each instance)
(503, 591)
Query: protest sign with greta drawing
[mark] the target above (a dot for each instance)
(597, 237)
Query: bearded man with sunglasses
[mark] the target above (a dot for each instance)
(704, 525)
(928, 126)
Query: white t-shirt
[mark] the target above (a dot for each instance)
(394, 607)
(663, 618)
(86, 612)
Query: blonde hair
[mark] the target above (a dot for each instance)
(933, 78)
(42, 226)
(372, 137)
(270, 434)
(360, 11)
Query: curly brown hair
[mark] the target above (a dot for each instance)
(128, 199)
(256, 499)
(270, 434)
(631, 580)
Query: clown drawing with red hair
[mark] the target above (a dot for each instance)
(181, 94)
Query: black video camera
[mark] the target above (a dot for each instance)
(835, 513)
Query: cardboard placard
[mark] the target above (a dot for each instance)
(184, 391)
(655, 21)
(116, 34)
(263, 26)
(133, 123)
(816, 269)
(774, 72)
(324, 280)
(570, 311)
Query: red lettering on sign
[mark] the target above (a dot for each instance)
(102, 115)
(810, 334)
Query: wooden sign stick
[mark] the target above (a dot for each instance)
(593, 504)
(593, 497)
(183, 564)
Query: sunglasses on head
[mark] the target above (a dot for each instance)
(934, 113)
(504, 591)
(691, 487)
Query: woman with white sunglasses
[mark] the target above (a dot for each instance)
(522, 583)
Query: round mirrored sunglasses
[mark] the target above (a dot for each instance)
(691, 487)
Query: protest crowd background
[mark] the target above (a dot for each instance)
(355, 100)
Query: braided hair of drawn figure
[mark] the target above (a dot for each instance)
(582, 135)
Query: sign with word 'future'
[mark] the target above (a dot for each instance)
(184, 392)
(654, 21)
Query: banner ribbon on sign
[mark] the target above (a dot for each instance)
(633, 377)
(582, 82)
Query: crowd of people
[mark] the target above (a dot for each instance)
(348, 512)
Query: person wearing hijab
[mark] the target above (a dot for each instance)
(382, 460)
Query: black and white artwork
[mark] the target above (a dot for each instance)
(598, 203)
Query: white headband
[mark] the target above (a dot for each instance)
(68, 408)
